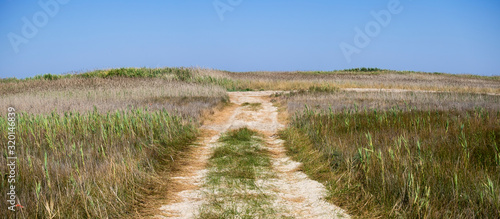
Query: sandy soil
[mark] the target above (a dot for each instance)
(295, 194)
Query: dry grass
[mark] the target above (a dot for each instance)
(99, 147)
(410, 155)
(89, 150)
(340, 100)
(298, 80)
(109, 94)
(384, 79)
(93, 165)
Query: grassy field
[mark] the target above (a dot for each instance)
(336, 100)
(99, 147)
(240, 81)
(99, 144)
(93, 165)
(110, 94)
(416, 155)
(363, 79)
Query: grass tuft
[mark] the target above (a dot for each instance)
(252, 106)
(235, 167)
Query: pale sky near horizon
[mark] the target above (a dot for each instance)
(50, 36)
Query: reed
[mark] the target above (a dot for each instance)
(402, 162)
(93, 165)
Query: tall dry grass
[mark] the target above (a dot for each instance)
(350, 78)
(93, 165)
(95, 144)
(99, 147)
(353, 79)
(427, 156)
(337, 100)
(109, 94)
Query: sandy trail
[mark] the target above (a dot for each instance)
(295, 194)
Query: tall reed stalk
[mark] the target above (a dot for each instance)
(93, 165)
(405, 163)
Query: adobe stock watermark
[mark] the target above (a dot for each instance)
(49, 9)
(223, 6)
(372, 29)
(11, 160)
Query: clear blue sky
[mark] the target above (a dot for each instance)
(453, 36)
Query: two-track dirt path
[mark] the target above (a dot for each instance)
(295, 195)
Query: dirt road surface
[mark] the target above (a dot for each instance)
(296, 196)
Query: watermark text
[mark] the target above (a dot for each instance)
(224, 6)
(11, 159)
(30, 27)
(372, 29)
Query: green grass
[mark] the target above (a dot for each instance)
(182, 74)
(93, 165)
(403, 163)
(234, 169)
(252, 106)
(364, 69)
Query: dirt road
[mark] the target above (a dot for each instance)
(294, 194)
